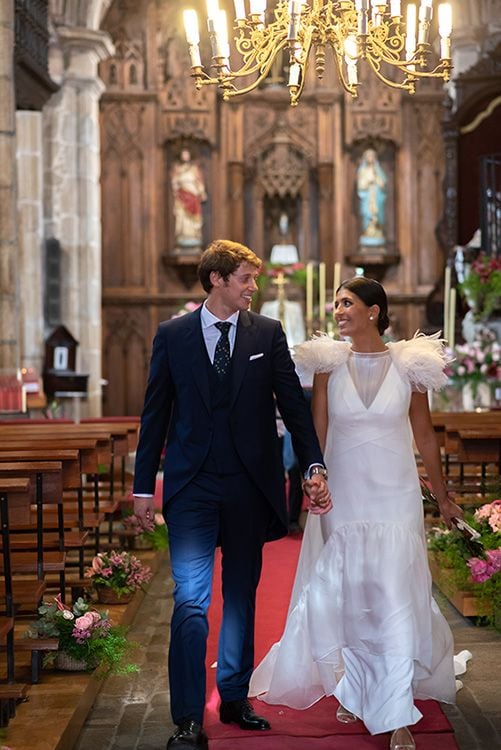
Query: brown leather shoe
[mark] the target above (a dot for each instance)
(241, 713)
(189, 734)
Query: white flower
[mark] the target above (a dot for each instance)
(67, 615)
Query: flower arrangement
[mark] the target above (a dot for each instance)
(119, 571)
(85, 635)
(154, 532)
(187, 308)
(476, 362)
(482, 286)
(480, 574)
(295, 272)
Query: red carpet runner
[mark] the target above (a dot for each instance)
(313, 729)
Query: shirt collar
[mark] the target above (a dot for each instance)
(208, 319)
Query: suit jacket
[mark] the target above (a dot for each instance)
(178, 405)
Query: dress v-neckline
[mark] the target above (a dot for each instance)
(378, 392)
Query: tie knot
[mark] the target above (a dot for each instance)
(224, 328)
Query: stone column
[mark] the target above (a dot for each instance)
(9, 295)
(73, 197)
(31, 252)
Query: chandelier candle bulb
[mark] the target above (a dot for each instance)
(212, 9)
(190, 19)
(295, 16)
(222, 34)
(294, 73)
(395, 9)
(410, 32)
(240, 13)
(445, 30)
(425, 14)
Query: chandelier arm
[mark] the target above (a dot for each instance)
(408, 84)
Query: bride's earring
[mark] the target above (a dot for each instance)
(371, 317)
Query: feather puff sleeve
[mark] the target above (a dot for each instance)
(421, 361)
(320, 354)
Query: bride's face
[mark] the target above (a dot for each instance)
(351, 314)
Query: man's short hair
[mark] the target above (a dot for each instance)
(224, 257)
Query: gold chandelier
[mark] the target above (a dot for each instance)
(372, 30)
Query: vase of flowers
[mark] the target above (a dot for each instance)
(117, 575)
(148, 535)
(87, 639)
(480, 574)
(476, 368)
(482, 286)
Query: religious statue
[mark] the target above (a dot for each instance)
(371, 191)
(189, 193)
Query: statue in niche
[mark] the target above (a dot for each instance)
(371, 191)
(188, 188)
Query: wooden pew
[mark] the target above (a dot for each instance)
(14, 502)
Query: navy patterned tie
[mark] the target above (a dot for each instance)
(222, 354)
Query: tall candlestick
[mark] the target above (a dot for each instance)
(321, 292)
(447, 294)
(309, 293)
(452, 318)
(336, 281)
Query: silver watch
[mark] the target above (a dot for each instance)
(317, 470)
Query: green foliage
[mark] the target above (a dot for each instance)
(482, 286)
(85, 635)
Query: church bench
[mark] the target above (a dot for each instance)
(14, 505)
(31, 550)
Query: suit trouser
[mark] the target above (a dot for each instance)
(212, 509)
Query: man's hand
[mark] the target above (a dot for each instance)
(318, 491)
(144, 510)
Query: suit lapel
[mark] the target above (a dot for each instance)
(196, 352)
(244, 347)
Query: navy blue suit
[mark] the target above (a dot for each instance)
(223, 484)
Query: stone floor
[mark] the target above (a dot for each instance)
(133, 713)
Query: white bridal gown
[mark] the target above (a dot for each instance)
(362, 624)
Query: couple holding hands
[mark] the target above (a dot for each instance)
(362, 624)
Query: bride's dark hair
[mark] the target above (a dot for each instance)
(371, 293)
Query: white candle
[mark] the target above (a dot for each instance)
(240, 13)
(336, 282)
(309, 291)
(321, 292)
(447, 293)
(410, 32)
(294, 71)
(452, 318)
(395, 10)
(445, 30)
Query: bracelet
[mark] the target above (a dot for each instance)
(317, 469)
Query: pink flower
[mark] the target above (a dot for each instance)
(482, 570)
(86, 621)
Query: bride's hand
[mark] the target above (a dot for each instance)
(318, 491)
(449, 510)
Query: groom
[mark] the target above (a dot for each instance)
(216, 376)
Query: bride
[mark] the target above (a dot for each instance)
(362, 623)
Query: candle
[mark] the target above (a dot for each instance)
(240, 13)
(321, 292)
(452, 318)
(447, 292)
(410, 32)
(336, 282)
(395, 11)
(309, 291)
(445, 30)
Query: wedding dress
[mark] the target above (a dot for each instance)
(362, 623)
